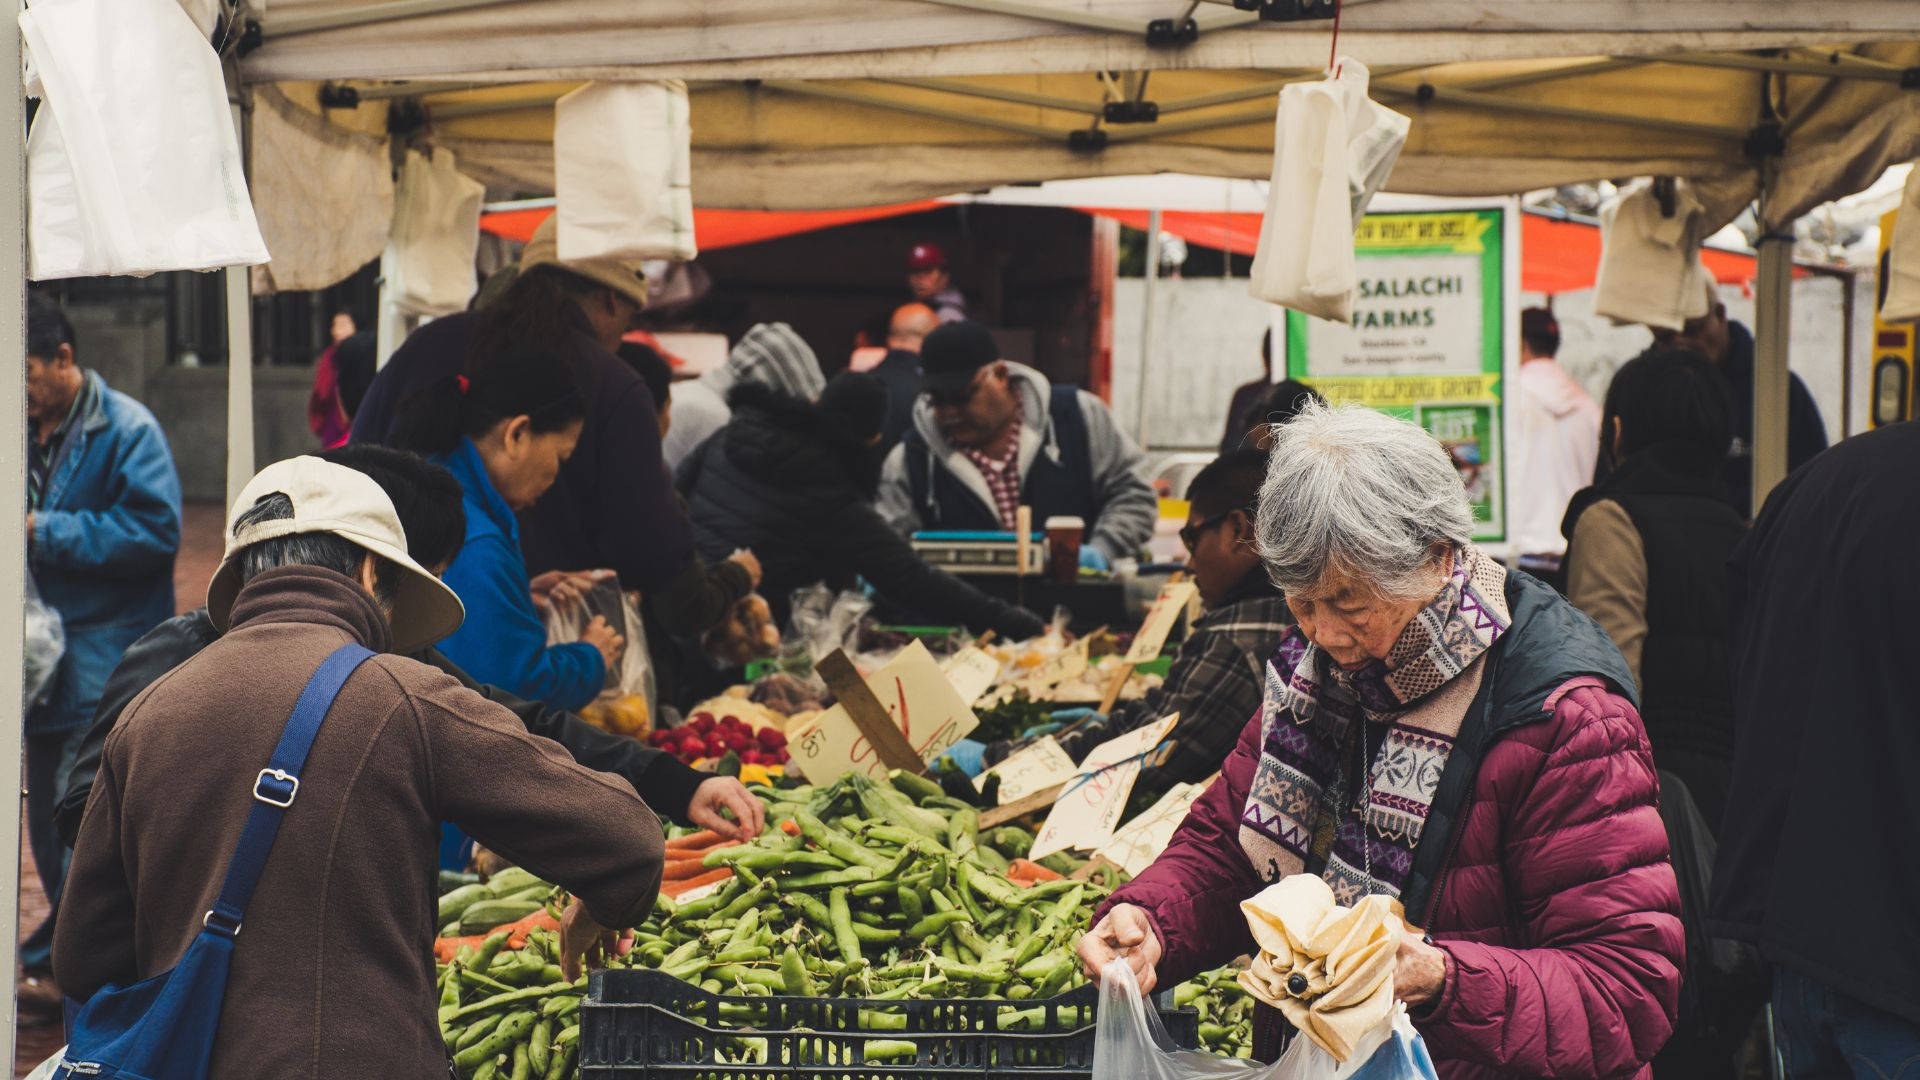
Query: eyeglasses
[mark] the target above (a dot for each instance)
(1190, 535)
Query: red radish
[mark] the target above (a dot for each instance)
(751, 757)
(702, 723)
(771, 739)
(693, 746)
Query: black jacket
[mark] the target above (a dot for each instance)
(1815, 861)
(780, 481)
(659, 777)
(901, 372)
(1688, 528)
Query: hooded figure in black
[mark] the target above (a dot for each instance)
(794, 482)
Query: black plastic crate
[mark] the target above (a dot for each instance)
(639, 1024)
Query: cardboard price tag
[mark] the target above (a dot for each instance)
(1139, 842)
(919, 700)
(1030, 769)
(972, 672)
(1067, 664)
(1089, 808)
(1173, 601)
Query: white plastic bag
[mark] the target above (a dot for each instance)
(132, 162)
(1902, 272)
(632, 675)
(46, 644)
(50, 1068)
(1332, 150)
(1129, 1043)
(435, 236)
(622, 172)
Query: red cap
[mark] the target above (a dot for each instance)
(926, 257)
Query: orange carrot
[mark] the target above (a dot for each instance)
(790, 827)
(445, 948)
(701, 840)
(680, 869)
(1028, 872)
(673, 889)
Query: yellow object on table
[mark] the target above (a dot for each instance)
(1327, 968)
(625, 714)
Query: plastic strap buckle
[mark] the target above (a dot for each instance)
(220, 924)
(270, 797)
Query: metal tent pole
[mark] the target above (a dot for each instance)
(239, 343)
(1149, 296)
(1773, 318)
(13, 478)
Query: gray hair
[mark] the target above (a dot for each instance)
(1357, 492)
(323, 549)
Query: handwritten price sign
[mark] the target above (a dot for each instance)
(1141, 840)
(918, 698)
(1033, 768)
(1086, 814)
(1167, 608)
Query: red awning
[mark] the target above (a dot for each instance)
(714, 229)
(1555, 256)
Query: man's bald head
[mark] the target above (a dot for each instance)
(911, 324)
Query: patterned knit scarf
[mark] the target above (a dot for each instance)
(1410, 705)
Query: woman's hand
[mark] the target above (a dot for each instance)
(1127, 935)
(750, 562)
(715, 799)
(601, 635)
(560, 590)
(582, 939)
(1419, 971)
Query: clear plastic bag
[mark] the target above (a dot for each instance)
(46, 644)
(628, 703)
(1131, 1044)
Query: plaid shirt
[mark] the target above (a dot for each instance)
(1001, 467)
(1215, 684)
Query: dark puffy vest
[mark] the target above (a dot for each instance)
(1058, 484)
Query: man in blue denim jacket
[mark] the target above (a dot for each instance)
(103, 525)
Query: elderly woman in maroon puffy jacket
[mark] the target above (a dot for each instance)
(1443, 731)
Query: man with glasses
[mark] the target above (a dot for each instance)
(1217, 675)
(989, 436)
(1728, 346)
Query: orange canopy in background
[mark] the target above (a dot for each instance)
(1556, 256)
(723, 228)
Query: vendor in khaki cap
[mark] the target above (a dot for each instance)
(334, 975)
(612, 506)
(990, 435)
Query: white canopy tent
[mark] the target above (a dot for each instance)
(810, 103)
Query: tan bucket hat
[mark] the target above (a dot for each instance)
(624, 276)
(348, 503)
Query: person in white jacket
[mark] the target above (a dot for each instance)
(1559, 440)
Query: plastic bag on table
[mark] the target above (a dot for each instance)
(819, 621)
(1332, 150)
(1129, 1043)
(627, 705)
(46, 644)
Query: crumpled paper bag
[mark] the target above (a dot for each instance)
(1327, 968)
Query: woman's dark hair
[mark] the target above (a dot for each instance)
(652, 368)
(1669, 395)
(1285, 400)
(425, 497)
(542, 304)
(504, 378)
(326, 550)
(1230, 482)
(1541, 331)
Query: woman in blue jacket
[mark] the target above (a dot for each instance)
(503, 429)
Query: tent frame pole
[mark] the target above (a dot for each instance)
(13, 532)
(287, 26)
(1447, 95)
(1822, 69)
(1773, 319)
(239, 334)
(1149, 294)
(931, 112)
(992, 93)
(1089, 21)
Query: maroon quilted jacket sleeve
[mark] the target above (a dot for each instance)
(1592, 986)
(1192, 892)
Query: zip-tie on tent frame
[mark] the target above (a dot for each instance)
(947, 62)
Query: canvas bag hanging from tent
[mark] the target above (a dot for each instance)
(1332, 150)
(132, 162)
(622, 172)
(435, 237)
(1903, 258)
(1650, 270)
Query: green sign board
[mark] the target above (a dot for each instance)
(1428, 339)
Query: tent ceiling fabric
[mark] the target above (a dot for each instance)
(722, 39)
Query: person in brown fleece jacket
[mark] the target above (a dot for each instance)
(333, 972)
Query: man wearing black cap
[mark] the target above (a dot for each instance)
(932, 283)
(989, 436)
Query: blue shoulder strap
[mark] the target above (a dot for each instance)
(276, 785)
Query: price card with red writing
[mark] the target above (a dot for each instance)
(1140, 841)
(1161, 617)
(929, 711)
(1089, 809)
